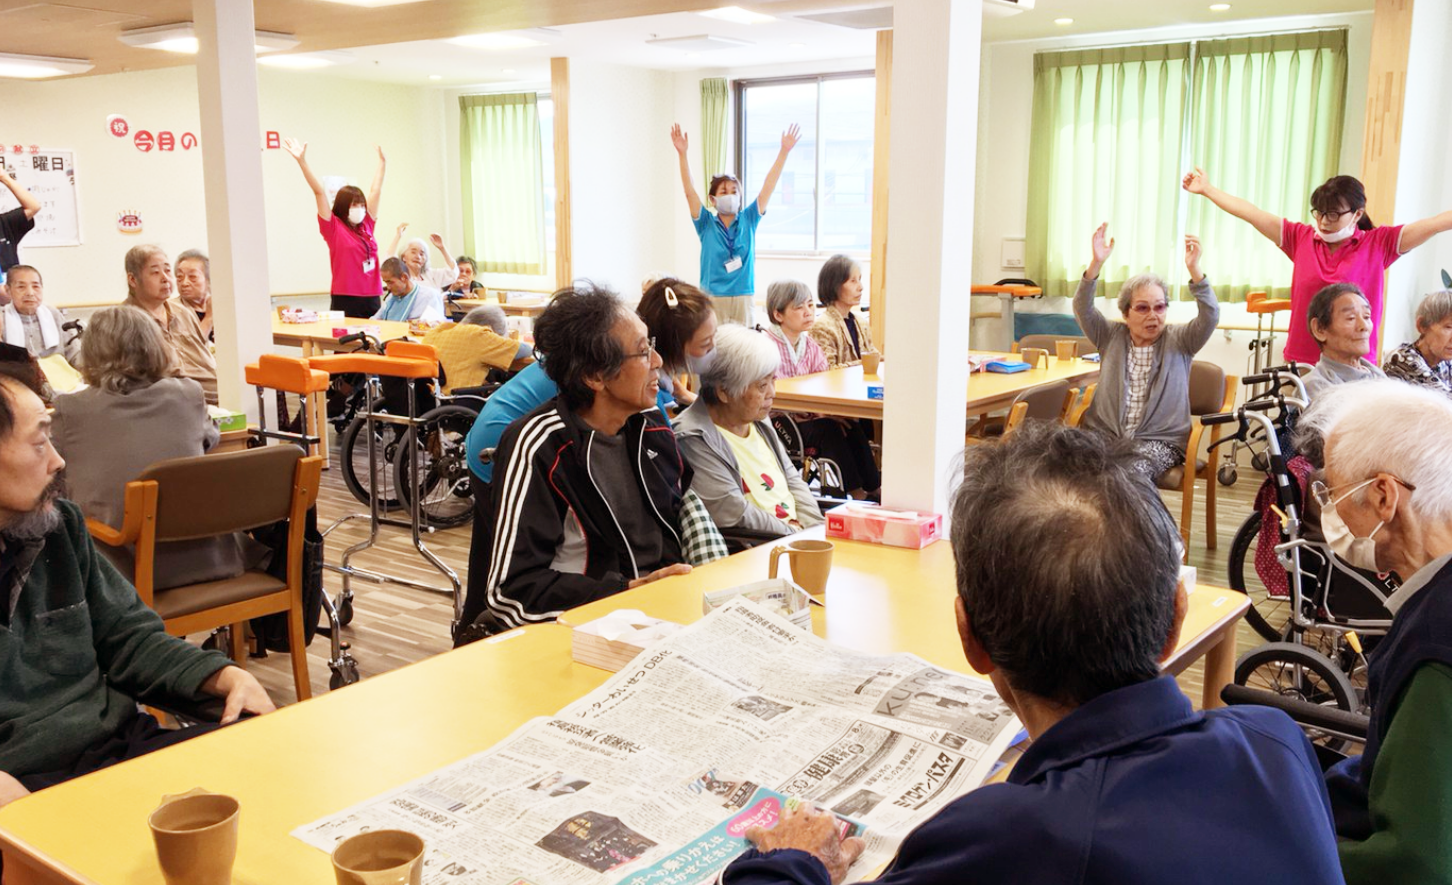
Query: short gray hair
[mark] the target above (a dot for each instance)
(491, 315)
(197, 255)
(123, 350)
(743, 357)
(136, 260)
(1387, 426)
(1435, 308)
(1137, 282)
(783, 295)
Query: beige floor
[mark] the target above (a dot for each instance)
(394, 625)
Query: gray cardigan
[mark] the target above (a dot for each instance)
(717, 476)
(1167, 412)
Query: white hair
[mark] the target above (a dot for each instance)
(422, 244)
(1386, 426)
(743, 357)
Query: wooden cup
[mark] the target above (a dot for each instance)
(870, 362)
(380, 857)
(1066, 350)
(196, 838)
(811, 562)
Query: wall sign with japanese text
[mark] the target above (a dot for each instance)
(51, 176)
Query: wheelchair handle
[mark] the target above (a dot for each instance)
(1222, 418)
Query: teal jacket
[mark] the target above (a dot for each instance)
(77, 646)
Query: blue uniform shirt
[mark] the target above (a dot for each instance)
(720, 243)
(1133, 788)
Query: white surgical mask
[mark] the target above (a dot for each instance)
(727, 204)
(356, 215)
(1339, 235)
(1357, 552)
(698, 364)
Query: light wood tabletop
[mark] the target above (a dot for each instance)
(529, 309)
(843, 391)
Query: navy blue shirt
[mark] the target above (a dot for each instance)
(1133, 787)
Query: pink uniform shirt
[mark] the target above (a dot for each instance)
(1362, 259)
(354, 257)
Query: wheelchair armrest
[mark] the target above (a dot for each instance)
(199, 709)
(739, 539)
(1305, 713)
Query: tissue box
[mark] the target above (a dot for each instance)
(226, 419)
(340, 331)
(868, 522)
(613, 641)
(1188, 575)
(874, 390)
(780, 595)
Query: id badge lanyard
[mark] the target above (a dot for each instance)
(730, 237)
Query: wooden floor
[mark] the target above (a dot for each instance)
(394, 626)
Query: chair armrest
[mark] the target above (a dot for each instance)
(105, 534)
(139, 504)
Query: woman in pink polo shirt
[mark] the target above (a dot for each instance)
(347, 228)
(1343, 246)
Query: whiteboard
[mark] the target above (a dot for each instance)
(51, 176)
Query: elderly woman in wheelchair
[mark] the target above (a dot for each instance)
(742, 471)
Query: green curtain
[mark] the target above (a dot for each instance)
(1265, 125)
(1108, 128)
(499, 149)
(713, 127)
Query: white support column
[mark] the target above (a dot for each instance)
(232, 170)
(930, 246)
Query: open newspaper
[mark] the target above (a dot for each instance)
(654, 778)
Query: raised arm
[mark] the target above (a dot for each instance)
(789, 140)
(693, 199)
(299, 151)
(1267, 223)
(438, 241)
(1095, 326)
(1196, 333)
(28, 203)
(376, 189)
(1419, 232)
(397, 236)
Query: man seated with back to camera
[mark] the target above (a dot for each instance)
(78, 645)
(1068, 598)
(590, 493)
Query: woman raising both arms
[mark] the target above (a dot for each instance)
(1343, 246)
(347, 227)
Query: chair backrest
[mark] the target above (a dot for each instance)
(1076, 412)
(214, 494)
(1045, 401)
(1207, 388)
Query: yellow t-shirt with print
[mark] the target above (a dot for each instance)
(762, 480)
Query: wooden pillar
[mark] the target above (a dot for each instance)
(560, 93)
(881, 140)
(1391, 36)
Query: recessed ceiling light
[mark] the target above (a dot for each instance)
(508, 39)
(507, 71)
(797, 45)
(38, 67)
(182, 37)
(1219, 7)
(698, 43)
(306, 61)
(737, 15)
(435, 77)
(1063, 21)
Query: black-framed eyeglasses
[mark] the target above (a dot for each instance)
(1331, 217)
(644, 354)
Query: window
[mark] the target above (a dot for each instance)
(507, 162)
(823, 200)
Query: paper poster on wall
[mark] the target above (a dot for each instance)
(51, 176)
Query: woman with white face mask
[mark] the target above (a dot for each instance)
(347, 226)
(682, 321)
(1342, 246)
(728, 238)
(1386, 505)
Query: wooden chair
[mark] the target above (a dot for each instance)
(190, 498)
(1076, 411)
(1042, 402)
(1211, 392)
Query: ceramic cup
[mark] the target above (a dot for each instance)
(196, 838)
(811, 562)
(380, 857)
(870, 362)
(1065, 350)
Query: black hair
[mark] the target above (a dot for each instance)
(836, 271)
(394, 267)
(673, 326)
(1342, 190)
(347, 197)
(718, 180)
(1323, 303)
(576, 336)
(1067, 562)
(16, 366)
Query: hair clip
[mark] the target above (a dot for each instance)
(671, 300)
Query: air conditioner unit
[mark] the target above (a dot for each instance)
(1005, 8)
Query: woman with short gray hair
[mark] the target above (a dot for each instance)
(1144, 375)
(1428, 360)
(742, 471)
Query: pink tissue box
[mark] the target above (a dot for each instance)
(867, 522)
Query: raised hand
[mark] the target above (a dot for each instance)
(438, 240)
(679, 139)
(1195, 181)
(298, 149)
(1193, 252)
(1102, 243)
(790, 137)
(381, 158)
(401, 228)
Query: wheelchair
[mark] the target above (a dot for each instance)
(822, 475)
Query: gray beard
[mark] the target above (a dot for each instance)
(42, 520)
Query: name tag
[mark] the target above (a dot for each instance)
(369, 265)
(734, 264)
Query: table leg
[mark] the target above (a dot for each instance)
(1220, 667)
(1005, 314)
(318, 404)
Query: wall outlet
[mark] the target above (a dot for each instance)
(1012, 253)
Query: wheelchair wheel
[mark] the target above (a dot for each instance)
(446, 500)
(353, 453)
(1292, 670)
(1267, 615)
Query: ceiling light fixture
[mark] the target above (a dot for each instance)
(39, 67)
(1063, 21)
(501, 40)
(1219, 7)
(435, 77)
(307, 61)
(698, 43)
(182, 37)
(737, 15)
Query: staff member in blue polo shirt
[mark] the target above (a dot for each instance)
(728, 238)
(1068, 598)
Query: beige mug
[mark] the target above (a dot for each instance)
(1066, 350)
(380, 857)
(811, 562)
(870, 362)
(196, 837)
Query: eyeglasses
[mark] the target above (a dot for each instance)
(1147, 309)
(1325, 496)
(644, 354)
(1331, 217)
